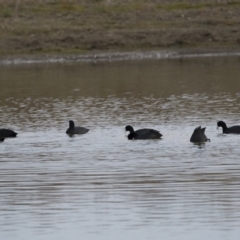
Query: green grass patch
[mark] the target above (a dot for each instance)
(188, 6)
(60, 7)
(178, 6)
(6, 13)
(183, 6)
(121, 8)
(234, 3)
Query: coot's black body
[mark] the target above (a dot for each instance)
(75, 130)
(7, 133)
(199, 136)
(142, 134)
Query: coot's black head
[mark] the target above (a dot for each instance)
(71, 124)
(129, 128)
(221, 124)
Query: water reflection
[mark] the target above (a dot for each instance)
(100, 184)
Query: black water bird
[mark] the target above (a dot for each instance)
(7, 133)
(199, 136)
(142, 134)
(75, 130)
(231, 130)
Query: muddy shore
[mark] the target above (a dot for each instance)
(115, 56)
(69, 27)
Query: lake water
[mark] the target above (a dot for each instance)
(101, 185)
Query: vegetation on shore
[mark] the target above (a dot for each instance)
(75, 26)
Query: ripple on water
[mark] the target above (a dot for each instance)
(100, 184)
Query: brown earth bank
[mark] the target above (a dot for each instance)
(78, 26)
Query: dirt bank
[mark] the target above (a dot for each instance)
(78, 26)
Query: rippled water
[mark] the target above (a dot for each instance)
(103, 186)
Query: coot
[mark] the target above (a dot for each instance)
(142, 134)
(75, 130)
(199, 136)
(231, 130)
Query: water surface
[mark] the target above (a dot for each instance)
(101, 185)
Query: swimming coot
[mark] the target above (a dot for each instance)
(75, 130)
(231, 130)
(142, 134)
(7, 133)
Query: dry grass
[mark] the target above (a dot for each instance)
(47, 26)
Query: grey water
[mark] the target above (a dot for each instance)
(101, 185)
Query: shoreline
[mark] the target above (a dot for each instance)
(112, 56)
(80, 30)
